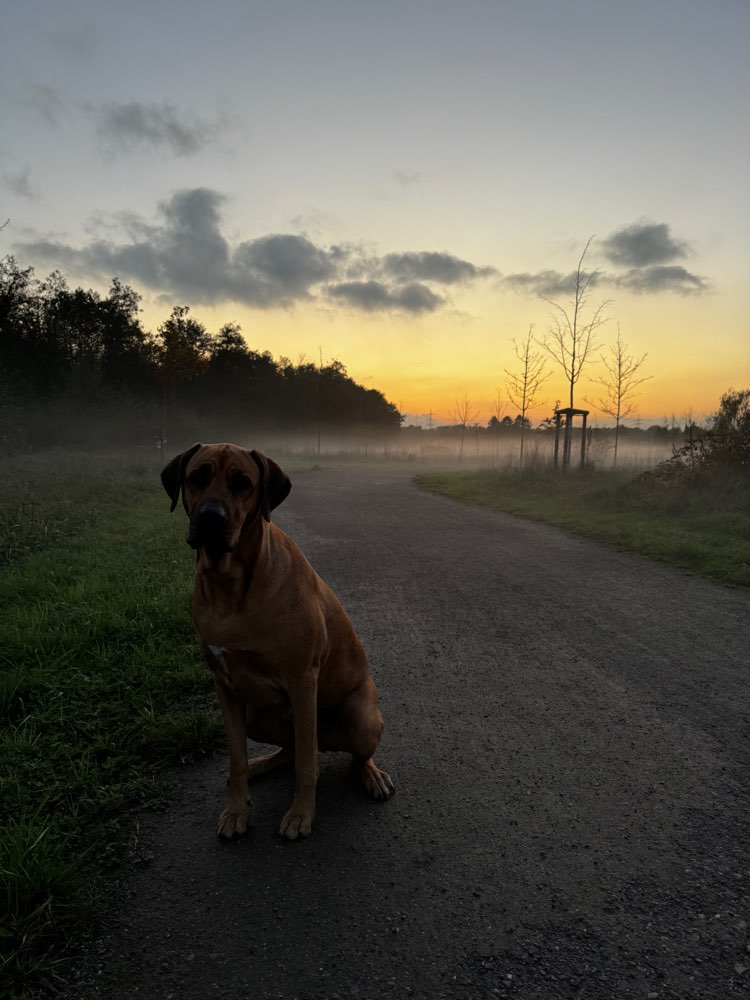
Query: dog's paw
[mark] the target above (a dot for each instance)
(297, 823)
(232, 823)
(378, 783)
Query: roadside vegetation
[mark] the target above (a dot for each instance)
(691, 511)
(101, 687)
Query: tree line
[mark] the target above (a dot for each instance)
(79, 368)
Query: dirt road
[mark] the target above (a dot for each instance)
(568, 731)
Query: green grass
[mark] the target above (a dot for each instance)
(101, 686)
(47, 496)
(700, 526)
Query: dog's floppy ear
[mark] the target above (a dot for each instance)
(173, 475)
(274, 483)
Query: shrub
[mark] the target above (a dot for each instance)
(723, 449)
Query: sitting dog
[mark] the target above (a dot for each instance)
(287, 665)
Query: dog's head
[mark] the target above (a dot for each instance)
(224, 488)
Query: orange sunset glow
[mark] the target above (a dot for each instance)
(405, 198)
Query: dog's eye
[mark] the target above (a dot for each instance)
(239, 482)
(199, 478)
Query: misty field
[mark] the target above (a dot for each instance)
(101, 682)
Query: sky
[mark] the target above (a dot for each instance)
(404, 186)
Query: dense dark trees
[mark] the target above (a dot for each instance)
(77, 367)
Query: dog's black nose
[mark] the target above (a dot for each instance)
(212, 514)
(208, 528)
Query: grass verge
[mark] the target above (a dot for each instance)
(701, 527)
(101, 686)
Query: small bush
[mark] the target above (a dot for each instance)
(723, 450)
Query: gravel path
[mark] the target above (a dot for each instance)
(568, 731)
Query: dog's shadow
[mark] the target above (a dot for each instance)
(341, 800)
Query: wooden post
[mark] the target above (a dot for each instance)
(583, 441)
(566, 440)
(570, 416)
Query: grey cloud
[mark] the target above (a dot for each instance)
(279, 269)
(641, 255)
(374, 296)
(646, 251)
(99, 258)
(20, 183)
(342, 253)
(407, 178)
(664, 278)
(368, 295)
(45, 101)
(418, 298)
(548, 284)
(192, 249)
(643, 245)
(185, 254)
(76, 40)
(357, 262)
(430, 266)
(136, 227)
(644, 280)
(124, 127)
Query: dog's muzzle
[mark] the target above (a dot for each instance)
(208, 528)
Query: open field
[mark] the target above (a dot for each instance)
(476, 448)
(703, 529)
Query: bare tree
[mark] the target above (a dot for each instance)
(571, 338)
(620, 383)
(523, 385)
(464, 414)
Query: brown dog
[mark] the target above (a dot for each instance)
(288, 666)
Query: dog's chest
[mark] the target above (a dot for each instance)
(246, 675)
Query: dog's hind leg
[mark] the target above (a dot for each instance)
(378, 783)
(364, 727)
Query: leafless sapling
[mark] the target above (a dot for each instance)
(464, 414)
(571, 339)
(620, 382)
(523, 386)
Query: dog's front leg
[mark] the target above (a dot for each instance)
(304, 700)
(233, 821)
